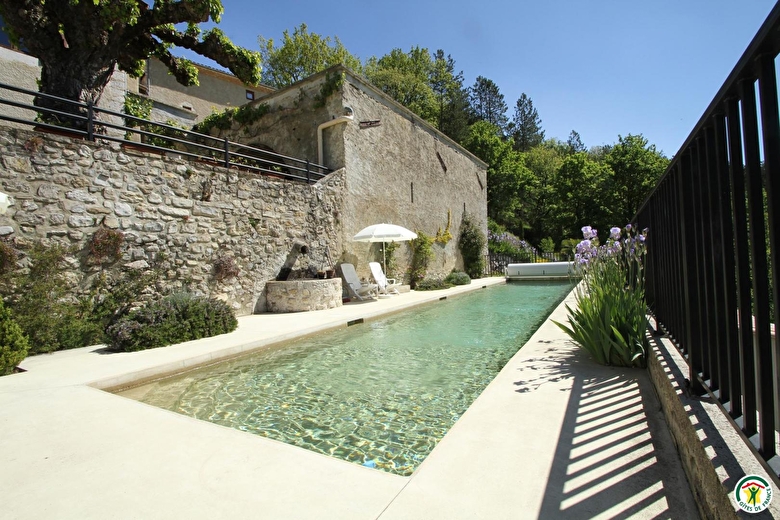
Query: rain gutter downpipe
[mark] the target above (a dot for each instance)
(326, 124)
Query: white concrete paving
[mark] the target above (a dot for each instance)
(554, 436)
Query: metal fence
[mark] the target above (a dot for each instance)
(712, 267)
(495, 264)
(87, 123)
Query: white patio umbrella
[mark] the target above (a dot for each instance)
(384, 233)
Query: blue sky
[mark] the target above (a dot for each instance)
(601, 67)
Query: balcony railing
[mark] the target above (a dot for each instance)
(91, 122)
(713, 273)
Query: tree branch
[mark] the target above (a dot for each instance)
(243, 63)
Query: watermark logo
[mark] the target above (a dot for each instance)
(753, 494)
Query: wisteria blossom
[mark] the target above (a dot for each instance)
(507, 243)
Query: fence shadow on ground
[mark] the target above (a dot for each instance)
(614, 457)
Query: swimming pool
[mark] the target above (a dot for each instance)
(382, 393)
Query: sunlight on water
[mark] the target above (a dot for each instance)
(381, 393)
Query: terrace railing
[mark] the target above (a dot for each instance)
(87, 123)
(713, 270)
(495, 264)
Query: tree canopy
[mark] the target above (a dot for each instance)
(637, 167)
(405, 77)
(80, 42)
(508, 180)
(301, 55)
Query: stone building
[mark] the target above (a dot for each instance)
(173, 102)
(387, 166)
(186, 106)
(398, 169)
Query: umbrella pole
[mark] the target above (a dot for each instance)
(384, 260)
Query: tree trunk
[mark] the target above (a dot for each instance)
(77, 80)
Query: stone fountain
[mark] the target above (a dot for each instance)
(301, 291)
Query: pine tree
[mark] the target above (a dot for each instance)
(575, 143)
(451, 97)
(487, 103)
(527, 129)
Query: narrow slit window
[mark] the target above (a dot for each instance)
(441, 161)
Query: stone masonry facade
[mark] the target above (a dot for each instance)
(179, 216)
(398, 168)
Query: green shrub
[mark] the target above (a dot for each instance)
(175, 319)
(432, 284)
(389, 259)
(472, 247)
(502, 242)
(13, 343)
(52, 317)
(422, 254)
(547, 245)
(458, 278)
(40, 304)
(8, 256)
(609, 320)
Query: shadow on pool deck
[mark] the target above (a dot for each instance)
(610, 448)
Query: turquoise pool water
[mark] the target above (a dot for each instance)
(382, 393)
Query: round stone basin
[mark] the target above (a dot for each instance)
(303, 295)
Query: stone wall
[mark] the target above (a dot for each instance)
(398, 168)
(19, 70)
(22, 70)
(402, 171)
(304, 295)
(181, 214)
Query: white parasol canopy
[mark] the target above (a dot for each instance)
(384, 233)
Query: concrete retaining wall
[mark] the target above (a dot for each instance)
(713, 454)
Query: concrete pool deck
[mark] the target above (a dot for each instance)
(553, 436)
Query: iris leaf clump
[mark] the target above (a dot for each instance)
(609, 320)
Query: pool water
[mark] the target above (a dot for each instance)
(381, 393)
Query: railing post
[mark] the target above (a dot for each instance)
(770, 126)
(742, 267)
(759, 268)
(308, 172)
(90, 121)
(227, 153)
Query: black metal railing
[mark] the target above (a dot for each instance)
(712, 268)
(495, 264)
(85, 121)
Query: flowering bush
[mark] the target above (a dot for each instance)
(610, 321)
(505, 243)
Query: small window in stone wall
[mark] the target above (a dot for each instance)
(441, 161)
(250, 95)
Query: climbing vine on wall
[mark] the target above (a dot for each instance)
(245, 115)
(422, 254)
(442, 237)
(332, 83)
